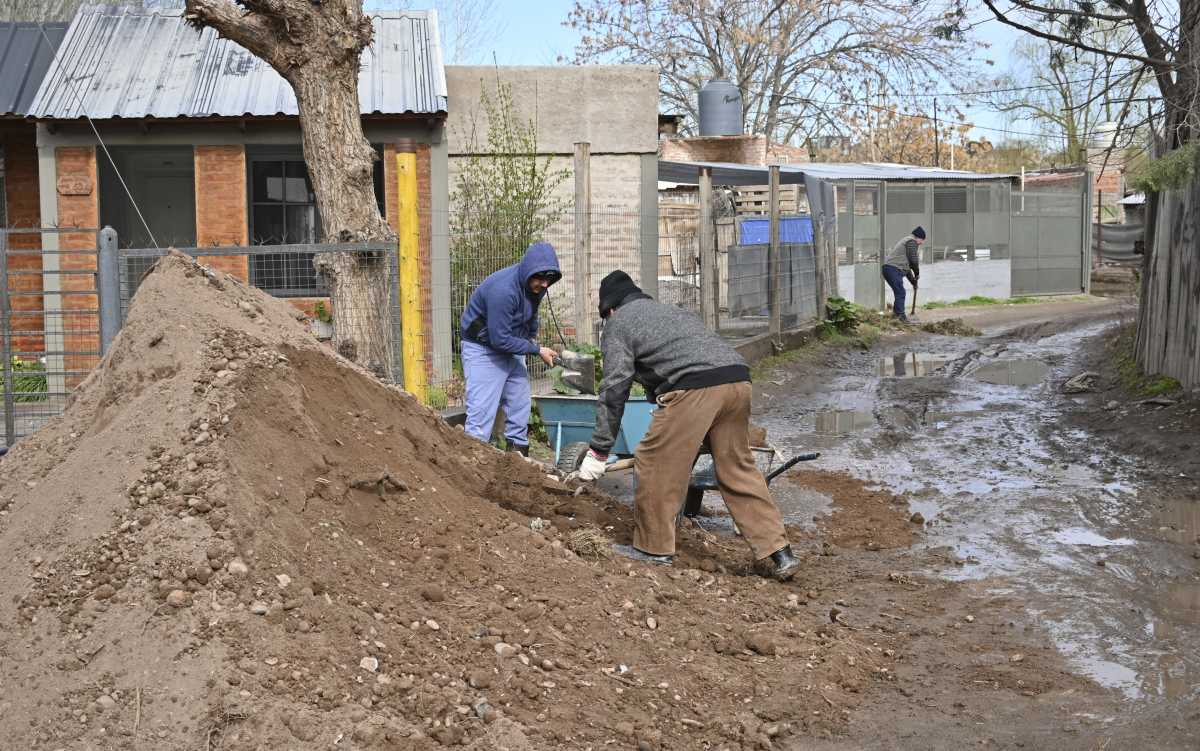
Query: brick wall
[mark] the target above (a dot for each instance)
(221, 217)
(24, 209)
(736, 149)
(78, 206)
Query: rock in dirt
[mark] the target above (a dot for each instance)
(104, 592)
(1081, 383)
(761, 643)
(258, 607)
(506, 650)
(177, 598)
(917, 518)
(237, 567)
(433, 593)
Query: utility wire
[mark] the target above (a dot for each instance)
(75, 90)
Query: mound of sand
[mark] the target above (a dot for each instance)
(235, 539)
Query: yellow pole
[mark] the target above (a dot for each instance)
(411, 329)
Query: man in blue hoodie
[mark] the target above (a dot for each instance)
(499, 328)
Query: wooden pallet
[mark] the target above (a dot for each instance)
(755, 200)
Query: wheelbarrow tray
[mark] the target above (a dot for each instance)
(570, 419)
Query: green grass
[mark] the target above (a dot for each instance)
(864, 337)
(1130, 373)
(977, 300)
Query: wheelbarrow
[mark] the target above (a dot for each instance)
(570, 420)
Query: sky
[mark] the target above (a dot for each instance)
(532, 33)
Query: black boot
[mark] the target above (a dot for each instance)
(781, 564)
(520, 448)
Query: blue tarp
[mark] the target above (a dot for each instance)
(792, 229)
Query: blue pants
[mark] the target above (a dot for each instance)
(895, 279)
(496, 379)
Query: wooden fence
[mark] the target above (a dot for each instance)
(1168, 340)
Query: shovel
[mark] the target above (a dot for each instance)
(578, 371)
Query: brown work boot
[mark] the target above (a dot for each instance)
(781, 564)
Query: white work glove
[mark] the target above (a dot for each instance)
(593, 466)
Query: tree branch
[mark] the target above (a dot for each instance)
(1004, 19)
(246, 27)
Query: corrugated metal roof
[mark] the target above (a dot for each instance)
(24, 57)
(120, 62)
(727, 173)
(882, 171)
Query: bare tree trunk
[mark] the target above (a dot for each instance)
(316, 47)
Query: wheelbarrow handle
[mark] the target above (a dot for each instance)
(791, 463)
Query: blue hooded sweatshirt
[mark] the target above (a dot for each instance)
(502, 313)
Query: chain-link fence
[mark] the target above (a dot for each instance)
(49, 322)
(54, 323)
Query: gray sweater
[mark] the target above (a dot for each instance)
(905, 255)
(664, 349)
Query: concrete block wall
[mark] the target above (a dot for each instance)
(614, 109)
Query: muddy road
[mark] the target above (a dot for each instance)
(1078, 543)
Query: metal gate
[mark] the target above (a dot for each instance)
(1051, 241)
(49, 323)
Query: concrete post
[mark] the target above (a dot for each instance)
(709, 273)
(821, 260)
(108, 287)
(774, 281)
(10, 425)
(584, 331)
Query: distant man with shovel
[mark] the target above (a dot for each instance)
(702, 387)
(904, 262)
(499, 329)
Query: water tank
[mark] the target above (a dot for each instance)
(720, 109)
(1103, 136)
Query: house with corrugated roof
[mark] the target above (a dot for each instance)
(174, 136)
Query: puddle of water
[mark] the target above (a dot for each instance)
(1011, 372)
(910, 364)
(1083, 536)
(1179, 521)
(1181, 602)
(840, 421)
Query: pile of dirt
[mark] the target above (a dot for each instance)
(951, 327)
(236, 539)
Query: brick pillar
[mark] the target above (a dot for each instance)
(424, 209)
(221, 201)
(24, 210)
(78, 206)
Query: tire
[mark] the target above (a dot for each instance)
(571, 457)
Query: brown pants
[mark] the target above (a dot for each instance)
(664, 463)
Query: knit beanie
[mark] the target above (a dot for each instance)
(614, 288)
(919, 233)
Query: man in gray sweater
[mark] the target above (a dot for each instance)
(702, 387)
(903, 262)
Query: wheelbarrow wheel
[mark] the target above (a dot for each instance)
(571, 456)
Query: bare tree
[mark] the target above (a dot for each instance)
(464, 26)
(1168, 36)
(787, 57)
(1069, 92)
(38, 10)
(316, 47)
(1162, 41)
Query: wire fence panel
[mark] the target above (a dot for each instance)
(289, 272)
(49, 322)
